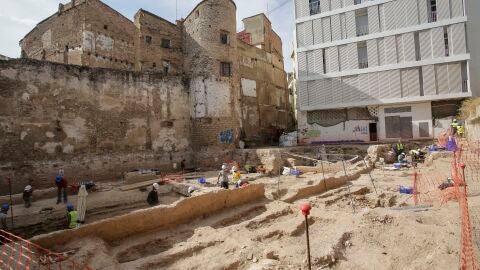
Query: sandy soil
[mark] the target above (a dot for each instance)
(384, 231)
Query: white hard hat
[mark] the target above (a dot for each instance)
(224, 167)
(234, 169)
(156, 186)
(28, 188)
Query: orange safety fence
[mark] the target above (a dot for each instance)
(20, 254)
(455, 183)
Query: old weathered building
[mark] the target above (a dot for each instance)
(146, 93)
(233, 80)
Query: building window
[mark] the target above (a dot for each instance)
(105, 27)
(361, 19)
(148, 39)
(314, 7)
(432, 10)
(165, 43)
(362, 55)
(225, 37)
(166, 66)
(225, 69)
(154, 65)
(445, 39)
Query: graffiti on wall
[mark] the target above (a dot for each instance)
(226, 136)
(360, 129)
(309, 135)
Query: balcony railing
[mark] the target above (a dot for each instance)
(362, 30)
(314, 7)
(363, 63)
(432, 16)
(465, 85)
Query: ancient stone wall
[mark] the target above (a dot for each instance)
(154, 34)
(214, 96)
(94, 123)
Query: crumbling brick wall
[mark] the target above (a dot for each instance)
(94, 123)
(264, 93)
(83, 32)
(159, 44)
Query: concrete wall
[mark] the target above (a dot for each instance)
(348, 131)
(421, 112)
(95, 123)
(157, 218)
(151, 56)
(472, 8)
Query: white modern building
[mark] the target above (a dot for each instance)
(383, 69)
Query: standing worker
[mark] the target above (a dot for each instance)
(61, 189)
(152, 197)
(399, 148)
(223, 177)
(27, 196)
(460, 130)
(454, 126)
(72, 217)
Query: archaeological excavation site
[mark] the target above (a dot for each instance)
(143, 143)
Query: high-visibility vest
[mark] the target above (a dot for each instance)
(73, 219)
(460, 129)
(454, 125)
(400, 146)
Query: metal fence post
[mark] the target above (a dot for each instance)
(352, 200)
(370, 174)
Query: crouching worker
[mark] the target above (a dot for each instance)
(72, 216)
(27, 196)
(152, 198)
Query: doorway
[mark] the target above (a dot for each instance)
(372, 127)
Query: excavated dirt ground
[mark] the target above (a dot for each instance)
(384, 232)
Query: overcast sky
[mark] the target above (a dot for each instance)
(18, 17)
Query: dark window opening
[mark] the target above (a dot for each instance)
(154, 65)
(416, 38)
(165, 43)
(445, 38)
(148, 39)
(324, 62)
(225, 69)
(105, 27)
(225, 37)
(432, 10)
(314, 7)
